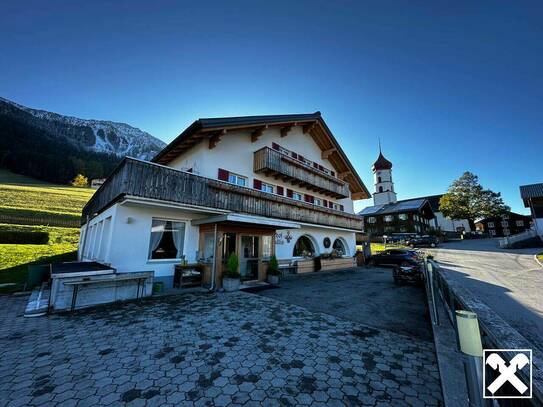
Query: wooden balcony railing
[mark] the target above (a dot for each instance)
(148, 180)
(276, 164)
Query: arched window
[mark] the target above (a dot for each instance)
(379, 179)
(380, 189)
(304, 247)
(340, 247)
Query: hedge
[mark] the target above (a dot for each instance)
(21, 237)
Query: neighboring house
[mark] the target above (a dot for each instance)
(97, 182)
(532, 196)
(443, 223)
(388, 215)
(265, 185)
(509, 224)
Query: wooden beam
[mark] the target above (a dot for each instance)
(285, 130)
(215, 138)
(257, 133)
(327, 153)
(309, 127)
(342, 175)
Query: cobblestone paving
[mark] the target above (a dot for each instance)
(208, 350)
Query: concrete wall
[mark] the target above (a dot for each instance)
(234, 153)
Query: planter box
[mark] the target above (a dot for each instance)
(230, 284)
(335, 264)
(305, 265)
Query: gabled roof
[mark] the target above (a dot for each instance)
(531, 191)
(313, 123)
(382, 163)
(433, 200)
(407, 205)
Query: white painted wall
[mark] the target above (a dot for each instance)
(388, 195)
(234, 153)
(449, 225)
(317, 235)
(538, 225)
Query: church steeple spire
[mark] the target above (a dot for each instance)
(382, 174)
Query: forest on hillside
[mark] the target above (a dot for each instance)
(37, 153)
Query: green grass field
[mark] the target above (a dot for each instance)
(26, 197)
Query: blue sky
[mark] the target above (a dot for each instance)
(447, 86)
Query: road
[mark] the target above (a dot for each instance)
(509, 281)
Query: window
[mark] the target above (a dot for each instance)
(267, 188)
(339, 247)
(317, 201)
(506, 232)
(505, 223)
(209, 246)
(520, 223)
(167, 240)
(267, 245)
(336, 206)
(403, 216)
(237, 179)
(105, 239)
(505, 217)
(492, 232)
(389, 218)
(379, 179)
(490, 224)
(380, 189)
(372, 219)
(304, 247)
(297, 196)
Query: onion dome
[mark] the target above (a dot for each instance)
(382, 163)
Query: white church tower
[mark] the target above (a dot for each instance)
(382, 177)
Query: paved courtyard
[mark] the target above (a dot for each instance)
(210, 350)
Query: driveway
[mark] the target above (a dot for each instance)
(211, 350)
(365, 295)
(508, 281)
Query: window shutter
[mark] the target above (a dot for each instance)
(315, 165)
(257, 184)
(280, 190)
(223, 175)
(289, 193)
(275, 146)
(300, 157)
(321, 168)
(333, 173)
(294, 155)
(330, 204)
(308, 198)
(341, 208)
(325, 202)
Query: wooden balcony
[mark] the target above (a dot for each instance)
(148, 180)
(273, 163)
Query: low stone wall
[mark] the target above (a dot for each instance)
(496, 333)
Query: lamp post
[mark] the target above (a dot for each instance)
(469, 338)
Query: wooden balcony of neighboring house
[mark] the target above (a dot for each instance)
(279, 165)
(143, 179)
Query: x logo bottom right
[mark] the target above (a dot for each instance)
(507, 373)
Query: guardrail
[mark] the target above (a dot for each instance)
(495, 332)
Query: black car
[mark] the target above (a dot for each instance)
(423, 241)
(396, 257)
(408, 274)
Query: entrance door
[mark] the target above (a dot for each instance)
(248, 264)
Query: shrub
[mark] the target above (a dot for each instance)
(273, 266)
(232, 266)
(23, 237)
(80, 181)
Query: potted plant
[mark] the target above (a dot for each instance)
(230, 281)
(273, 271)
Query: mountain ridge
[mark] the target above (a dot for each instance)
(95, 135)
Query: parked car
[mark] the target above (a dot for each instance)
(423, 241)
(396, 257)
(408, 274)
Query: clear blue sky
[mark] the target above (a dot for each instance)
(447, 86)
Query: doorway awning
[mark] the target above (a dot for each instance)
(242, 218)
